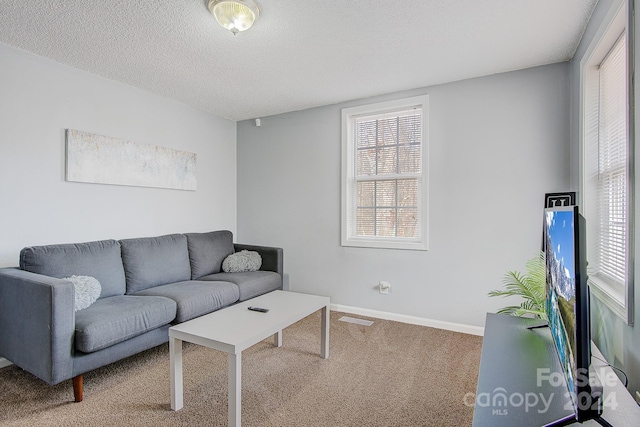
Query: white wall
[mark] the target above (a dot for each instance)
(497, 144)
(39, 99)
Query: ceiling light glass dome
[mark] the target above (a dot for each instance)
(235, 15)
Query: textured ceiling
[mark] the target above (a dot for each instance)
(300, 53)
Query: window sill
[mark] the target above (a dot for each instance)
(384, 244)
(611, 297)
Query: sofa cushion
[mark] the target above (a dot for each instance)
(207, 251)
(242, 261)
(100, 259)
(86, 289)
(250, 283)
(195, 298)
(154, 261)
(115, 319)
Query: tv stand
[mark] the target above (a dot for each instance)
(571, 420)
(543, 325)
(520, 381)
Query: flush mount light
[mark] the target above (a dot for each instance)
(235, 15)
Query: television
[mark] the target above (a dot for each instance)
(567, 306)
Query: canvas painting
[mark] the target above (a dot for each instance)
(104, 160)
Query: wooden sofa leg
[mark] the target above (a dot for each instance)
(77, 388)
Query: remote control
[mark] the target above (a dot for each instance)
(260, 309)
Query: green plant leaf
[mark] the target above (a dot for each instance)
(529, 286)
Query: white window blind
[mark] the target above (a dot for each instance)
(607, 161)
(612, 192)
(389, 159)
(384, 181)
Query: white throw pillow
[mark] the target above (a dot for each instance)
(242, 261)
(87, 290)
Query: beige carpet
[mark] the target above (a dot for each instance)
(387, 374)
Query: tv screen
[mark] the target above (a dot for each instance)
(567, 301)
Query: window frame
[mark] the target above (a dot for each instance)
(617, 23)
(349, 183)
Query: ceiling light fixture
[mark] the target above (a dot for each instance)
(234, 15)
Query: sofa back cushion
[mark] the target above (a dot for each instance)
(154, 261)
(207, 251)
(99, 259)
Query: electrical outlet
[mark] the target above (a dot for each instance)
(384, 287)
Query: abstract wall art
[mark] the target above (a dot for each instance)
(101, 159)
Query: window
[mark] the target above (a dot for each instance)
(384, 176)
(607, 169)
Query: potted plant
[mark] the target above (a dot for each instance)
(531, 286)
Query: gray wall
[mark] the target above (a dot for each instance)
(619, 343)
(496, 145)
(40, 99)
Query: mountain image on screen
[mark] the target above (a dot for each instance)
(563, 282)
(567, 309)
(562, 288)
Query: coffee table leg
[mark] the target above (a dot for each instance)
(175, 361)
(277, 339)
(324, 346)
(235, 390)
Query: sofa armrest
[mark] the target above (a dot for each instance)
(37, 321)
(272, 258)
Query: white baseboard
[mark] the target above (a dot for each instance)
(4, 362)
(414, 320)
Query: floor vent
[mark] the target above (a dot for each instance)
(356, 321)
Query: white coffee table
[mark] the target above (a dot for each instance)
(234, 329)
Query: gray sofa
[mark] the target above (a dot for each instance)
(147, 284)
